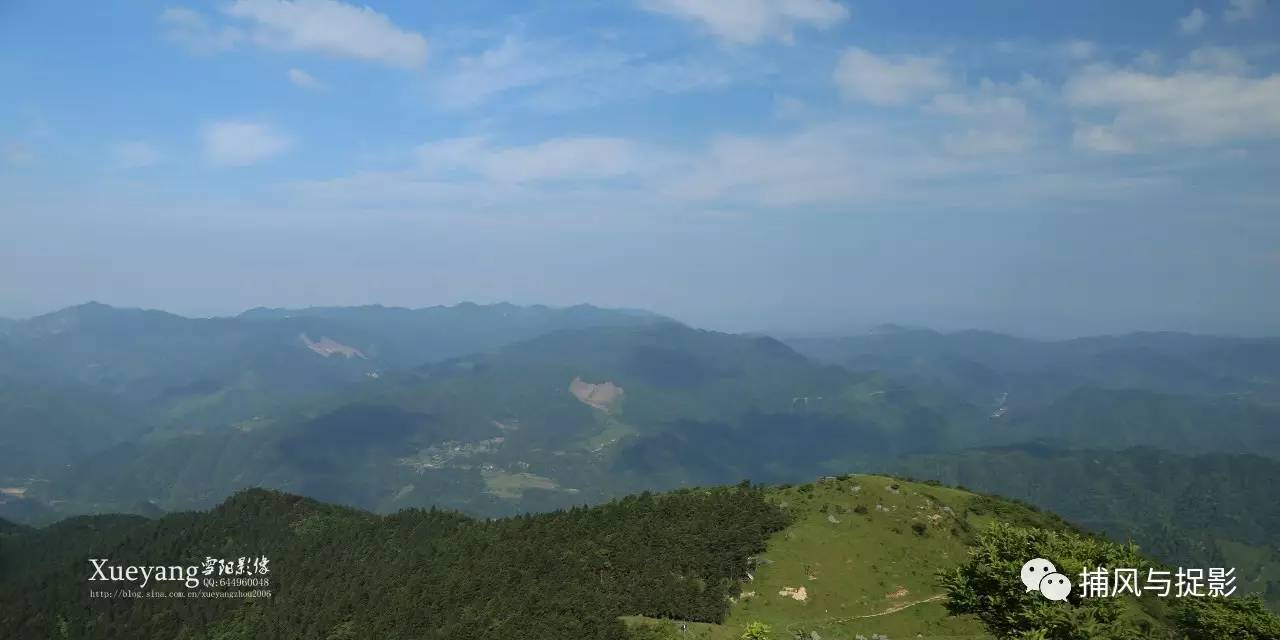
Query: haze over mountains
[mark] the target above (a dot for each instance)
(499, 409)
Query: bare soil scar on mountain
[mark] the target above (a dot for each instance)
(604, 396)
(330, 347)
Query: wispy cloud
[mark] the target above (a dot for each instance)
(1241, 10)
(302, 79)
(1193, 22)
(556, 159)
(888, 80)
(473, 173)
(551, 76)
(238, 144)
(331, 27)
(193, 31)
(514, 63)
(1193, 107)
(994, 119)
(317, 26)
(832, 166)
(1079, 49)
(1215, 59)
(752, 21)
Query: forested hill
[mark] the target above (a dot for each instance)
(342, 573)
(847, 556)
(11, 528)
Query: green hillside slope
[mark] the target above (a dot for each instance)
(1090, 417)
(867, 551)
(847, 556)
(1208, 510)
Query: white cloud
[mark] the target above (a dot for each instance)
(305, 80)
(752, 21)
(192, 31)
(374, 188)
(1217, 60)
(1147, 60)
(629, 80)
(834, 164)
(841, 166)
(549, 76)
(821, 166)
(1241, 10)
(238, 144)
(135, 154)
(1079, 49)
(564, 158)
(331, 27)
(556, 159)
(1099, 138)
(1187, 108)
(838, 166)
(555, 176)
(984, 107)
(996, 121)
(515, 63)
(1193, 22)
(1028, 83)
(975, 141)
(321, 26)
(888, 80)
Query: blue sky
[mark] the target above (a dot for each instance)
(787, 165)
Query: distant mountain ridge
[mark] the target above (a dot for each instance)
(405, 337)
(984, 364)
(493, 410)
(502, 431)
(692, 406)
(147, 369)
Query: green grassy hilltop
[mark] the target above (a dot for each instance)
(866, 550)
(844, 557)
(868, 556)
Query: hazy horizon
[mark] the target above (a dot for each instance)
(800, 167)
(851, 328)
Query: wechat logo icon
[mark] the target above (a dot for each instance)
(1040, 575)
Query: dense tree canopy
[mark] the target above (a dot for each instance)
(341, 573)
(988, 586)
